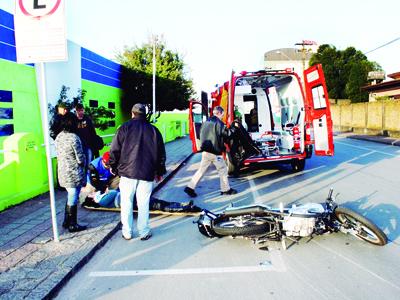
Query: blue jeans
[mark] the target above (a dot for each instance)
(128, 188)
(73, 195)
(110, 200)
(89, 157)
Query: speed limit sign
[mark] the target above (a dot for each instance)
(40, 34)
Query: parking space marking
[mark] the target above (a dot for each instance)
(371, 151)
(265, 267)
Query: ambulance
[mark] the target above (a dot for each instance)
(282, 119)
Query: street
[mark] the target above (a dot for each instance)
(180, 263)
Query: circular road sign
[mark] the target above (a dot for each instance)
(38, 8)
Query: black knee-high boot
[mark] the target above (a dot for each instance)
(73, 225)
(65, 224)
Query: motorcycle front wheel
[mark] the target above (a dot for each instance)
(235, 227)
(360, 226)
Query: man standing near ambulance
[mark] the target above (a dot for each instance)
(138, 156)
(213, 135)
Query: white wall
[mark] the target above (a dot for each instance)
(66, 73)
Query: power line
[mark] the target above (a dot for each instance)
(384, 45)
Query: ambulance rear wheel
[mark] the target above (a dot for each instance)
(298, 165)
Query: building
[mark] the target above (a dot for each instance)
(389, 88)
(297, 59)
(23, 167)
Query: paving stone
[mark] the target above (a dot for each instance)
(15, 294)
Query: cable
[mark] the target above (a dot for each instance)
(384, 45)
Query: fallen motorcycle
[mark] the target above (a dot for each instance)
(262, 223)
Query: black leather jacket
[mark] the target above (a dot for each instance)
(213, 135)
(137, 150)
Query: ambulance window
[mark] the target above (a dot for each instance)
(318, 96)
(198, 114)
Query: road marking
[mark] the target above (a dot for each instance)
(254, 190)
(357, 265)
(185, 220)
(264, 267)
(366, 149)
(142, 252)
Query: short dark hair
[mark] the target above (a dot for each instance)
(139, 109)
(69, 123)
(62, 105)
(79, 106)
(218, 109)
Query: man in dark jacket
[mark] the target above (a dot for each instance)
(87, 134)
(213, 135)
(55, 124)
(138, 156)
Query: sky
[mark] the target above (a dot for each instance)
(215, 37)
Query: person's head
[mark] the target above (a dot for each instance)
(138, 110)
(218, 111)
(80, 111)
(62, 108)
(105, 159)
(69, 123)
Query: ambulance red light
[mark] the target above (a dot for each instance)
(243, 73)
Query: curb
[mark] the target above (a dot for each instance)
(380, 140)
(54, 291)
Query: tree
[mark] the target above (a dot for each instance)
(100, 116)
(345, 71)
(173, 89)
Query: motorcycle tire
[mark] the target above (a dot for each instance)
(366, 230)
(229, 227)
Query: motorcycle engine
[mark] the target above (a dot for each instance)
(298, 226)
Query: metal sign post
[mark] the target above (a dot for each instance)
(40, 70)
(40, 37)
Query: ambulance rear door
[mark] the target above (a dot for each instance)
(197, 115)
(318, 110)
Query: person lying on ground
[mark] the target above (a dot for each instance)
(111, 199)
(107, 195)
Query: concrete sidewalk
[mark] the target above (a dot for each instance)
(32, 265)
(371, 138)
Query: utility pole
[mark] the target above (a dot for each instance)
(154, 77)
(304, 50)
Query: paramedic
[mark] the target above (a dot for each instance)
(213, 135)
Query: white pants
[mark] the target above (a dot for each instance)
(219, 163)
(128, 188)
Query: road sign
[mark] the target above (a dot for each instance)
(40, 34)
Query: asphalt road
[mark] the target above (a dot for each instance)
(179, 263)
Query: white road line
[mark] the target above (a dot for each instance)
(367, 149)
(358, 265)
(142, 252)
(254, 190)
(189, 271)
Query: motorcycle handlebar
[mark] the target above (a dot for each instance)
(330, 194)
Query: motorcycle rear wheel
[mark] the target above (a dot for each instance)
(232, 227)
(364, 228)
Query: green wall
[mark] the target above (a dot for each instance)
(104, 94)
(23, 172)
